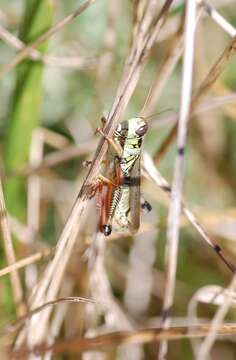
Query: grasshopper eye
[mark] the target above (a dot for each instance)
(142, 130)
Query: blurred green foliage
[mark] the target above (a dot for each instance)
(24, 114)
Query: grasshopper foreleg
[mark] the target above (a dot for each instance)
(116, 145)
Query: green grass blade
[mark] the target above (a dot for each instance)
(24, 114)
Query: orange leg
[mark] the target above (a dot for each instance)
(107, 227)
(108, 202)
(110, 189)
(103, 207)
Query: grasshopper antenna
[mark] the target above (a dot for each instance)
(149, 117)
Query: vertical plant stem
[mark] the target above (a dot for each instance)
(177, 186)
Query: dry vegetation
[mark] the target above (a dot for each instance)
(169, 292)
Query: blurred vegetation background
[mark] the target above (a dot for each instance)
(48, 108)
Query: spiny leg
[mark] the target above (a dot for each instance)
(113, 196)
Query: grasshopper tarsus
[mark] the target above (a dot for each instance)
(107, 229)
(146, 206)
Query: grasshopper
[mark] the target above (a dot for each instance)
(122, 177)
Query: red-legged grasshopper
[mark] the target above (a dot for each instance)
(121, 176)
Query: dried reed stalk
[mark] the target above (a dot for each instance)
(151, 171)
(65, 300)
(172, 238)
(77, 345)
(25, 262)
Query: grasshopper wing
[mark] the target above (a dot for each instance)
(134, 199)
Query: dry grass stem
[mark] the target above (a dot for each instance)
(71, 299)
(77, 345)
(153, 173)
(217, 17)
(172, 238)
(210, 294)
(25, 262)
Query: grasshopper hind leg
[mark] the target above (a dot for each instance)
(112, 200)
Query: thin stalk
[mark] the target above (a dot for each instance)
(171, 252)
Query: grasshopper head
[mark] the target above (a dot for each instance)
(137, 127)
